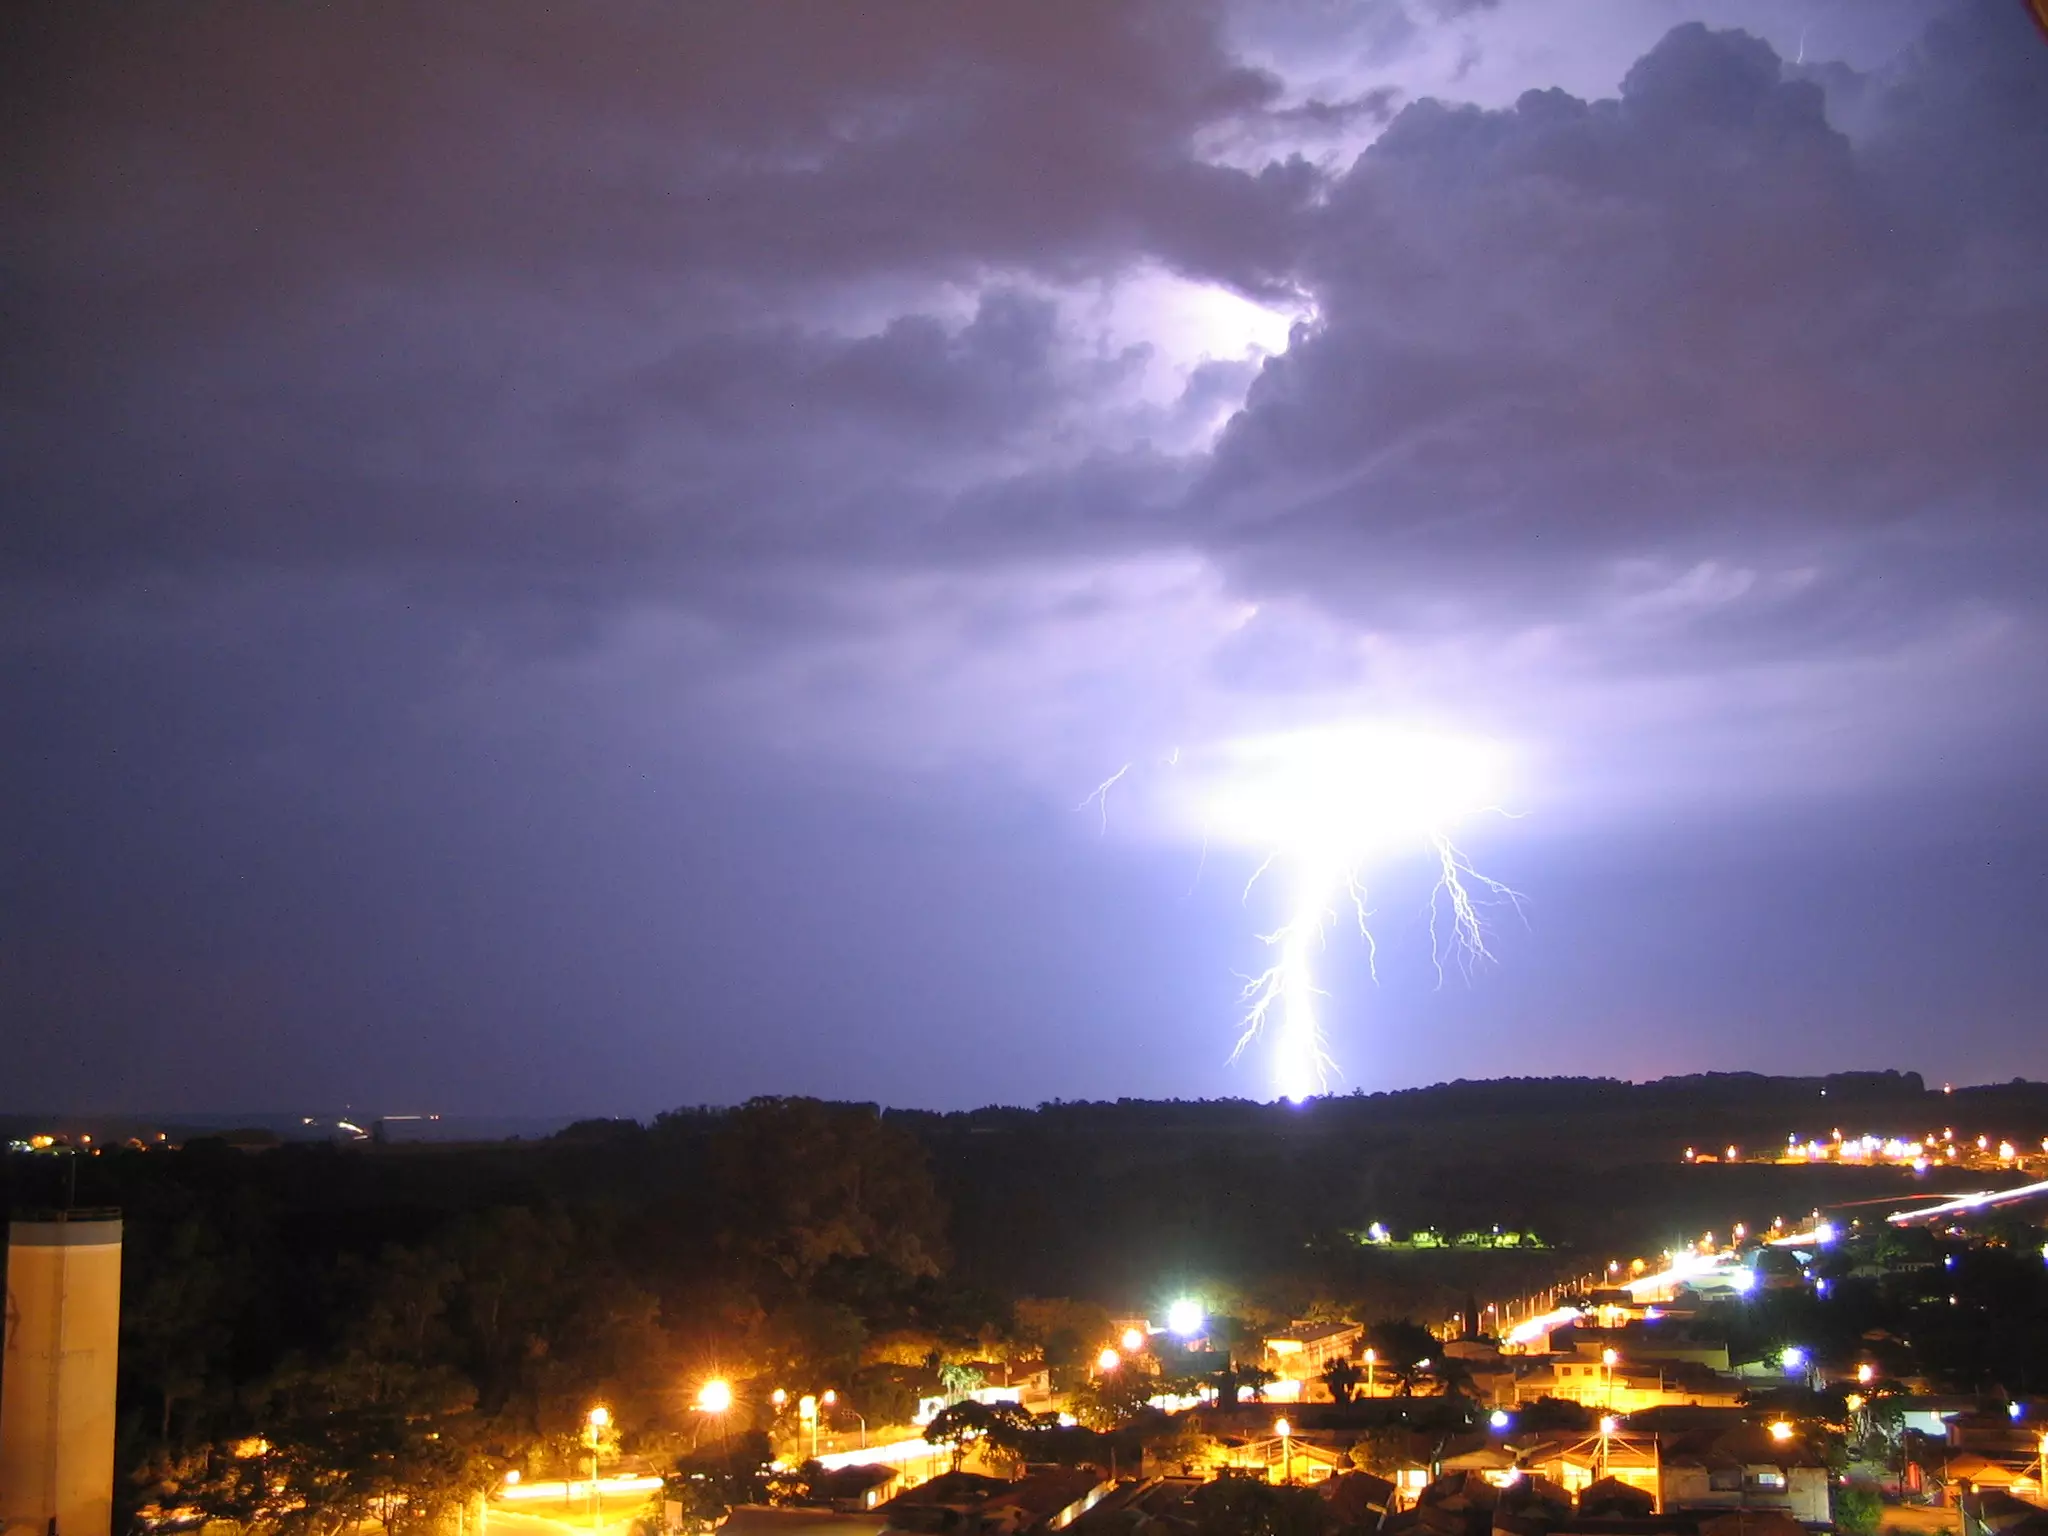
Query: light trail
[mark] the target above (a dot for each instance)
(561, 1492)
(1317, 808)
(1983, 1199)
(898, 1453)
(1531, 1329)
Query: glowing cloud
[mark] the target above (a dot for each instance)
(1319, 806)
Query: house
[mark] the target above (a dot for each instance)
(856, 1489)
(1157, 1506)
(962, 1504)
(1359, 1500)
(1742, 1469)
(1627, 1385)
(2000, 1514)
(1303, 1351)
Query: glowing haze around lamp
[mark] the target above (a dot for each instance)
(1184, 1318)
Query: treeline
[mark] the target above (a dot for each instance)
(427, 1317)
(314, 1335)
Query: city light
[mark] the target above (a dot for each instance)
(1133, 1341)
(599, 1417)
(1781, 1431)
(1500, 1418)
(1108, 1360)
(1865, 1373)
(715, 1396)
(1185, 1318)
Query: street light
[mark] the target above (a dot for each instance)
(1781, 1431)
(779, 1398)
(596, 1420)
(1132, 1341)
(1865, 1372)
(1108, 1361)
(715, 1398)
(1608, 1358)
(807, 1412)
(1371, 1361)
(1286, 1433)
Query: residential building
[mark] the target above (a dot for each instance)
(1305, 1350)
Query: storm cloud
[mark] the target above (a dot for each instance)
(496, 493)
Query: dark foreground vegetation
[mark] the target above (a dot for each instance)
(429, 1317)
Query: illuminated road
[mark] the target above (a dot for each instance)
(529, 1522)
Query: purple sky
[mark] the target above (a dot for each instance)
(583, 558)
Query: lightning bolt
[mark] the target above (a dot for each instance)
(1099, 796)
(1323, 858)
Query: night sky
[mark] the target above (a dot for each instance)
(586, 558)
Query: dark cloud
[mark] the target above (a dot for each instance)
(1696, 322)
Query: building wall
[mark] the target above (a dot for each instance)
(57, 1377)
(1804, 1496)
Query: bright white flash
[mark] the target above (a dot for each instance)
(1320, 807)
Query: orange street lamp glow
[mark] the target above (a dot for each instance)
(1108, 1360)
(1133, 1341)
(599, 1417)
(1864, 1372)
(1781, 1431)
(779, 1398)
(715, 1396)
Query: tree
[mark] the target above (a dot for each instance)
(1384, 1450)
(1399, 1348)
(1858, 1510)
(804, 1183)
(962, 1424)
(1342, 1378)
(959, 1380)
(1112, 1400)
(708, 1486)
